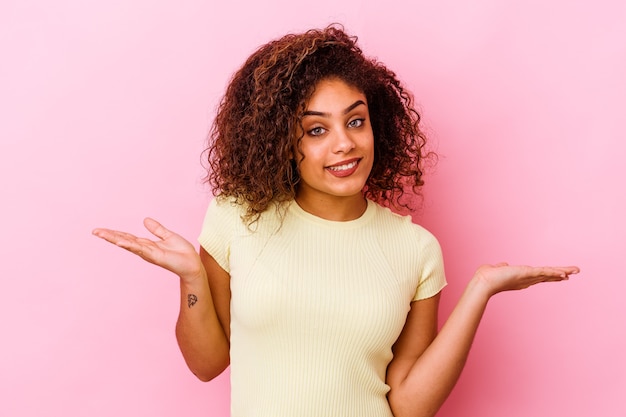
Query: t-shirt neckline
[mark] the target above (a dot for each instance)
(295, 208)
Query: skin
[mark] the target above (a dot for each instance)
(337, 134)
(426, 364)
(202, 330)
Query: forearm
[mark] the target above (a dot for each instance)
(432, 377)
(200, 335)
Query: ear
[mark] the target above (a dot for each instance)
(293, 153)
(295, 157)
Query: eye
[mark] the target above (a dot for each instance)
(316, 131)
(356, 123)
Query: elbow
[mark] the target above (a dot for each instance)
(207, 374)
(404, 405)
(208, 369)
(397, 403)
(206, 363)
(205, 377)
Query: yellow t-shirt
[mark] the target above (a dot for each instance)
(316, 305)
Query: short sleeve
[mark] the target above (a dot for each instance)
(218, 229)
(432, 275)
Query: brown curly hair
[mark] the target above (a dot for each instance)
(251, 141)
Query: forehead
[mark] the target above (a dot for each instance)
(333, 94)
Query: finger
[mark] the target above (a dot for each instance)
(139, 248)
(546, 278)
(156, 228)
(556, 279)
(113, 236)
(100, 232)
(564, 271)
(553, 277)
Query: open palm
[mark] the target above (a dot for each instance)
(504, 277)
(171, 251)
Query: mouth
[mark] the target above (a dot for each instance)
(344, 168)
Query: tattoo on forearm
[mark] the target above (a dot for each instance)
(191, 300)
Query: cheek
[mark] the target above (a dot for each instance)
(306, 165)
(311, 151)
(369, 144)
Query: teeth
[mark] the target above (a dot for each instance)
(343, 167)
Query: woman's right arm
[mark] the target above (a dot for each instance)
(203, 326)
(203, 318)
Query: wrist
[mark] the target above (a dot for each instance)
(193, 278)
(480, 288)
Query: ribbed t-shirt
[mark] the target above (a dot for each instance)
(316, 305)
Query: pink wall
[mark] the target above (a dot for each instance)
(104, 111)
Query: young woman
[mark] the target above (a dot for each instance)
(323, 301)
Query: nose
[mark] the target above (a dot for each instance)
(342, 141)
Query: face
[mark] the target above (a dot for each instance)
(336, 152)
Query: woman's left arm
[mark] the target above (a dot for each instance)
(418, 333)
(421, 374)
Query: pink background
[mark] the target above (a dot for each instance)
(104, 110)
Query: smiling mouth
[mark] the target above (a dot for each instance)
(344, 167)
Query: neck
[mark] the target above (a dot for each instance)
(339, 209)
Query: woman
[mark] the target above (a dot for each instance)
(322, 300)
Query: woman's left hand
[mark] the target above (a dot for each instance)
(505, 277)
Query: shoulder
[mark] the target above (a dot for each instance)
(401, 226)
(225, 205)
(222, 213)
(404, 240)
(228, 214)
(413, 252)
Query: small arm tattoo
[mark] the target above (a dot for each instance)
(191, 300)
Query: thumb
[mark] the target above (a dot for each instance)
(156, 228)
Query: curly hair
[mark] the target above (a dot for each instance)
(251, 141)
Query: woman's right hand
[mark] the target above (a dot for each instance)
(171, 251)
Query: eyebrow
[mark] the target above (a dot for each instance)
(324, 114)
